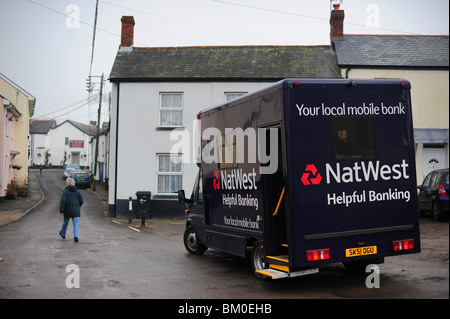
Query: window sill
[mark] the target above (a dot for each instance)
(168, 128)
(165, 196)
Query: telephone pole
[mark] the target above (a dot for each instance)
(98, 131)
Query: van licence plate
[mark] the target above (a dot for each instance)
(361, 251)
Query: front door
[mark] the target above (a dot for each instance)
(273, 189)
(433, 158)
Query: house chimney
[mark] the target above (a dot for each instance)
(127, 32)
(337, 22)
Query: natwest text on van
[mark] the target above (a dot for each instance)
(236, 179)
(366, 171)
(341, 186)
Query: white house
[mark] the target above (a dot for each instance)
(55, 145)
(101, 174)
(157, 90)
(39, 141)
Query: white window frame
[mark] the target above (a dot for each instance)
(229, 94)
(168, 173)
(161, 108)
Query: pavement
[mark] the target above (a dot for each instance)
(12, 210)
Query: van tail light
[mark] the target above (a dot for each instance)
(441, 191)
(405, 244)
(87, 174)
(318, 254)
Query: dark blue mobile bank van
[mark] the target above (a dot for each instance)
(307, 172)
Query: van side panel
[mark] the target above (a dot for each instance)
(234, 190)
(351, 178)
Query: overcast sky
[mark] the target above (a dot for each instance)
(46, 45)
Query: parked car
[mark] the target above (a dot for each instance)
(68, 172)
(76, 166)
(433, 194)
(81, 179)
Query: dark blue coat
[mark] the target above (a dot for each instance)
(71, 201)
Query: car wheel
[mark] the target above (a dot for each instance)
(437, 215)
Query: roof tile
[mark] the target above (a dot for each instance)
(393, 50)
(231, 62)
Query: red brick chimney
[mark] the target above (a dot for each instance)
(337, 22)
(127, 31)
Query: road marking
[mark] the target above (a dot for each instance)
(134, 229)
(115, 221)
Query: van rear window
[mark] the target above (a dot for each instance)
(354, 137)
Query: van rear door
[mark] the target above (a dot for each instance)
(351, 185)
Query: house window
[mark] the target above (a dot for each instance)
(228, 151)
(171, 109)
(233, 95)
(66, 141)
(169, 173)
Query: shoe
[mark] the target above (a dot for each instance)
(75, 239)
(63, 237)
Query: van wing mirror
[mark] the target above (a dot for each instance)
(182, 197)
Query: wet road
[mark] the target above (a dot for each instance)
(115, 261)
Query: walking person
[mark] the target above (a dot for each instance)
(71, 201)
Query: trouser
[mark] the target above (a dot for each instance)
(66, 223)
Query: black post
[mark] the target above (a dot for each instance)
(130, 209)
(143, 218)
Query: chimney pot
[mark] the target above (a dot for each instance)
(127, 37)
(337, 22)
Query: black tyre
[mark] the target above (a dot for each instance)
(191, 243)
(437, 214)
(257, 259)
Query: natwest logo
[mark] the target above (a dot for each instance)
(235, 179)
(356, 173)
(311, 176)
(216, 182)
(364, 172)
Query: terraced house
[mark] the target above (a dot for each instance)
(16, 108)
(156, 90)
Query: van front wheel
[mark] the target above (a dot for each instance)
(191, 242)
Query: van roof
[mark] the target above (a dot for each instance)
(310, 82)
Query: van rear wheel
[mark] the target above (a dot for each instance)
(257, 259)
(191, 242)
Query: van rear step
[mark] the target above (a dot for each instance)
(277, 274)
(279, 268)
(278, 260)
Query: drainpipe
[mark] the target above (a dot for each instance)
(117, 149)
(346, 72)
